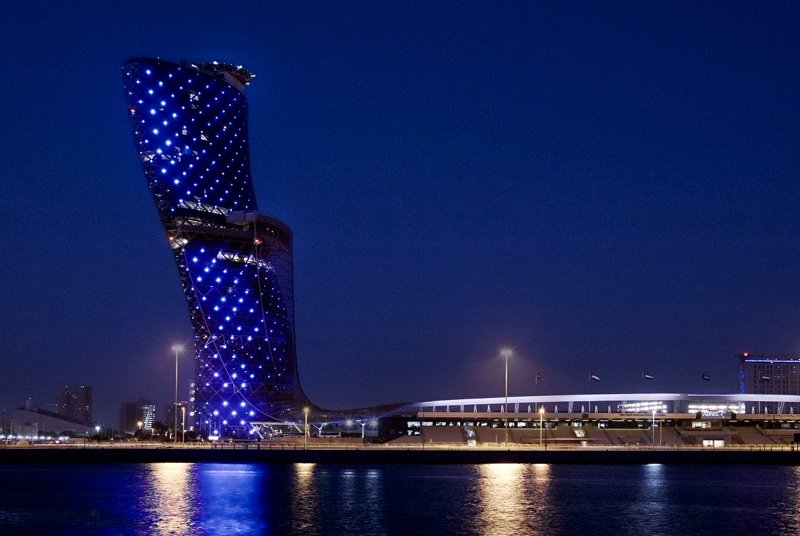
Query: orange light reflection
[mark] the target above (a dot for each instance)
(170, 498)
(305, 515)
(513, 498)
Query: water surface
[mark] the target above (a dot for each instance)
(309, 499)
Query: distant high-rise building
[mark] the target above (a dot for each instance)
(139, 415)
(169, 415)
(75, 402)
(769, 375)
(128, 417)
(183, 414)
(190, 126)
(148, 415)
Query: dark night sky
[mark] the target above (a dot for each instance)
(605, 186)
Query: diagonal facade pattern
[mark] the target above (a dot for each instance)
(190, 128)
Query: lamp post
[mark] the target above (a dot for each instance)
(654, 428)
(541, 423)
(305, 428)
(506, 353)
(177, 348)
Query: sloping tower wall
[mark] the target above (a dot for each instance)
(190, 128)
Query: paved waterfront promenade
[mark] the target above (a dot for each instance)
(295, 453)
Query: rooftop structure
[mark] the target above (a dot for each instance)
(31, 420)
(709, 405)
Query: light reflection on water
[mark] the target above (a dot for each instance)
(304, 509)
(169, 502)
(333, 499)
(647, 513)
(513, 499)
(320, 500)
(790, 505)
(187, 499)
(232, 499)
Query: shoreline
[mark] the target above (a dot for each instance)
(379, 455)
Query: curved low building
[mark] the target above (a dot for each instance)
(676, 420)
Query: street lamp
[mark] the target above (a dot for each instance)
(541, 422)
(506, 353)
(177, 348)
(654, 429)
(305, 428)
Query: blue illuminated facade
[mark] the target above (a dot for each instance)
(190, 127)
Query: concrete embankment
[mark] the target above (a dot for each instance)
(380, 455)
